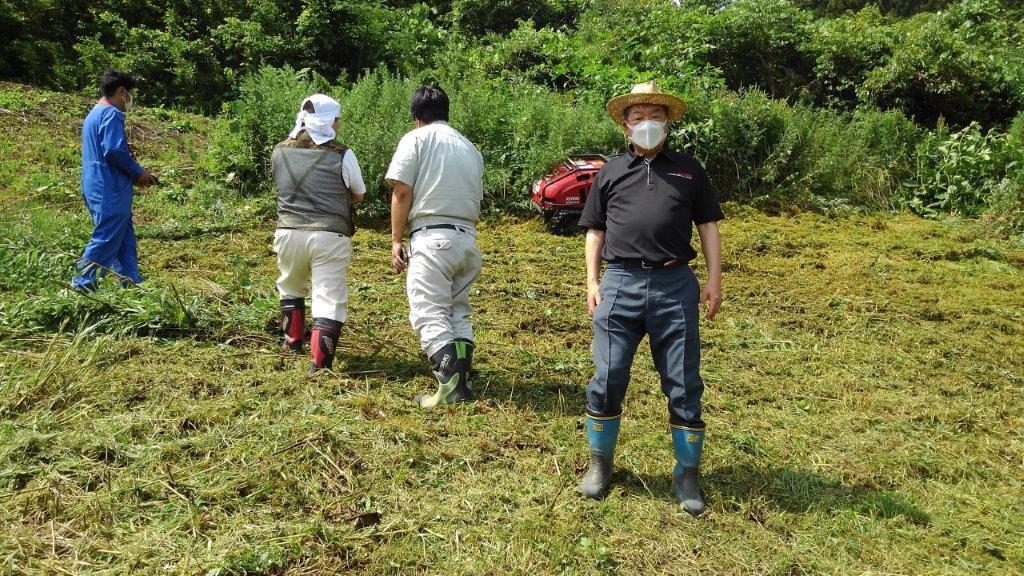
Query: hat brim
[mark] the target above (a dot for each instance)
(675, 105)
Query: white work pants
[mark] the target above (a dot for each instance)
(317, 257)
(442, 266)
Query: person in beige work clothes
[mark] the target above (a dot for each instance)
(437, 176)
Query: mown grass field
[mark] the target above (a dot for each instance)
(864, 398)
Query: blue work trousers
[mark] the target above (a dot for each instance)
(663, 304)
(112, 247)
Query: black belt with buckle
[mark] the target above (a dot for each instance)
(438, 227)
(637, 263)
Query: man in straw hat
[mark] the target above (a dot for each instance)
(639, 218)
(318, 180)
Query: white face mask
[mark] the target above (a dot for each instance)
(129, 102)
(648, 134)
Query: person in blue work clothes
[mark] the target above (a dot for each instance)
(639, 216)
(109, 170)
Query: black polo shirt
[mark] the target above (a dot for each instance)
(648, 210)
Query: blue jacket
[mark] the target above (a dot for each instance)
(108, 168)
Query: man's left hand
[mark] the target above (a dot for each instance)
(146, 179)
(711, 295)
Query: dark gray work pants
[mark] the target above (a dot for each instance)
(663, 304)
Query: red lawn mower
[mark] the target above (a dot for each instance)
(560, 195)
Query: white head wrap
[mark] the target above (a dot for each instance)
(319, 123)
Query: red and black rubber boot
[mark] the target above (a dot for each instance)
(323, 343)
(293, 322)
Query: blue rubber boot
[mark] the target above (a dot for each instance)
(603, 433)
(687, 443)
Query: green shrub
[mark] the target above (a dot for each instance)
(345, 37)
(959, 172)
(844, 51)
(191, 53)
(1007, 207)
(375, 114)
(900, 7)
(520, 130)
(36, 40)
(764, 151)
(616, 45)
(965, 63)
(941, 68)
(246, 45)
(419, 38)
(523, 130)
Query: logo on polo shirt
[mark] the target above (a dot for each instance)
(685, 175)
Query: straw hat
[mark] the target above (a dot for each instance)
(647, 93)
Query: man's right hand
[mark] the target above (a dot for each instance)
(399, 260)
(593, 296)
(147, 178)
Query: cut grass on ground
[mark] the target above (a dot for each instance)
(863, 404)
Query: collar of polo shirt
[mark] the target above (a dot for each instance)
(634, 157)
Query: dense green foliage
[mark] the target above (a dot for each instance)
(521, 129)
(963, 63)
(758, 149)
(819, 104)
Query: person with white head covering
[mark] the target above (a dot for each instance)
(318, 181)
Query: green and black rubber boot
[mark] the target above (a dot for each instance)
(450, 366)
(469, 358)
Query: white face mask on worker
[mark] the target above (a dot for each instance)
(648, 134)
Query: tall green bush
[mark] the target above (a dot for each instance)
(762, 150)
(1007, 205)
(940, 68)
(898, 7)
(615, 45)
(965, 63)
(523, 130)
(845, 50)
(375, 114)
(190, 54)
(520, 130)
(961, 172)
(480, 17)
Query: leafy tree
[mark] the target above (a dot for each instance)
(480, 17)
(897, 7)
(756, 44)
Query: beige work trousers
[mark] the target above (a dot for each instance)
(443, 264)
(319, 258)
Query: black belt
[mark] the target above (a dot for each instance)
(636, 263)
(439, 227)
